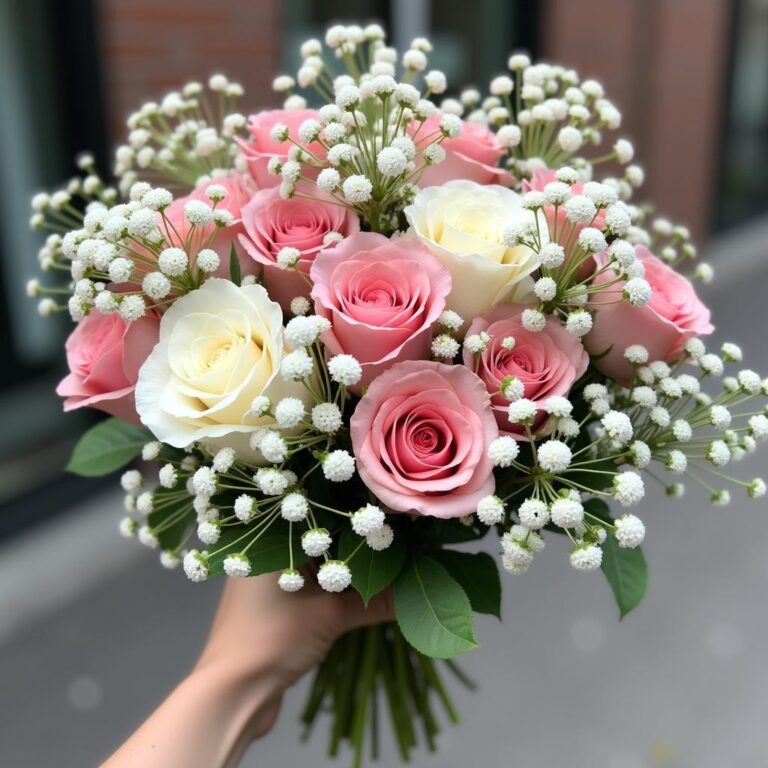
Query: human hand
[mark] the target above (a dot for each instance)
(261, 632)
(261, 642)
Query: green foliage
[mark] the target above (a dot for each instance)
(625, 569)
(171, 516)
(478, 575)
(268, 554)
(234, 267)
(372, 571)
(107, 447)
(627, 573)
(432, 610)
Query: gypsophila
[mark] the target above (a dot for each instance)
(586, 558)
(367, 520)
(326, 417)
(195, 565)
(566, 512)
(344, 369)
(618, 426)
(237, 566)
(290, 580)
(245, 507)
(636, 354)
(533, 513)
(338, 466)
(579, 322)
(334, 576)
(628, 488)
(490, 510)
(533, 320)
(131, 481)
(522, 411)
(503, 450)
(630, 531)
(224, 459)
(554, 456)
(296, 365)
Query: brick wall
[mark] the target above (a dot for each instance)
(151, 47)
(664, 63)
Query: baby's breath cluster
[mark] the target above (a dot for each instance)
(377, 132)
(130, 257)
(187, 138)
(546, 115)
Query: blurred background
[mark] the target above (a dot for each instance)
(93, 633)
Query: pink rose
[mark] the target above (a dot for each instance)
(104, 354)
(673, 315)
(557, 218)
(474, 155)
(272, 223)
(547, 363)
(420, 435)
(381, 297)
(261, 148)
(238, 194)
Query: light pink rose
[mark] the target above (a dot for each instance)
(272, 223)
(261, 148)
(238, 194)
(104, 354)
(381, 297)
(557, 218)
(547, 363)
(673, 315)
(420, 435)
(474, 155)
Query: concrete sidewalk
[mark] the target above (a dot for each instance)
(93, 633)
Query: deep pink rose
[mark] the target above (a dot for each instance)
(420, 435)
(272, 223)
(238, 194)
(261, 148)
(104, 354)
(381, 297)
(673, 315)
(474, 155)
(547, 363)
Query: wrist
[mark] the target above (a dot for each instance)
(249, 693)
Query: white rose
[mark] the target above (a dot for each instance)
(463, 224)
(220, 347)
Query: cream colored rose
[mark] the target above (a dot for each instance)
(463, 224)
(220, 347)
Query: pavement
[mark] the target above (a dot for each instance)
(93, 632)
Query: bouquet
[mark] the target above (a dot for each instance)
(355, 335)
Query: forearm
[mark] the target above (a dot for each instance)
(208, 721)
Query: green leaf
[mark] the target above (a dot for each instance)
(627, 573)
(450, 531)
(600, 509)
(234, 266)
(268, 554)
(170, 504)
(478, 575)
(591, 479)
(625, 569)
(108, 446)
(432, 610)
(372, 571)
